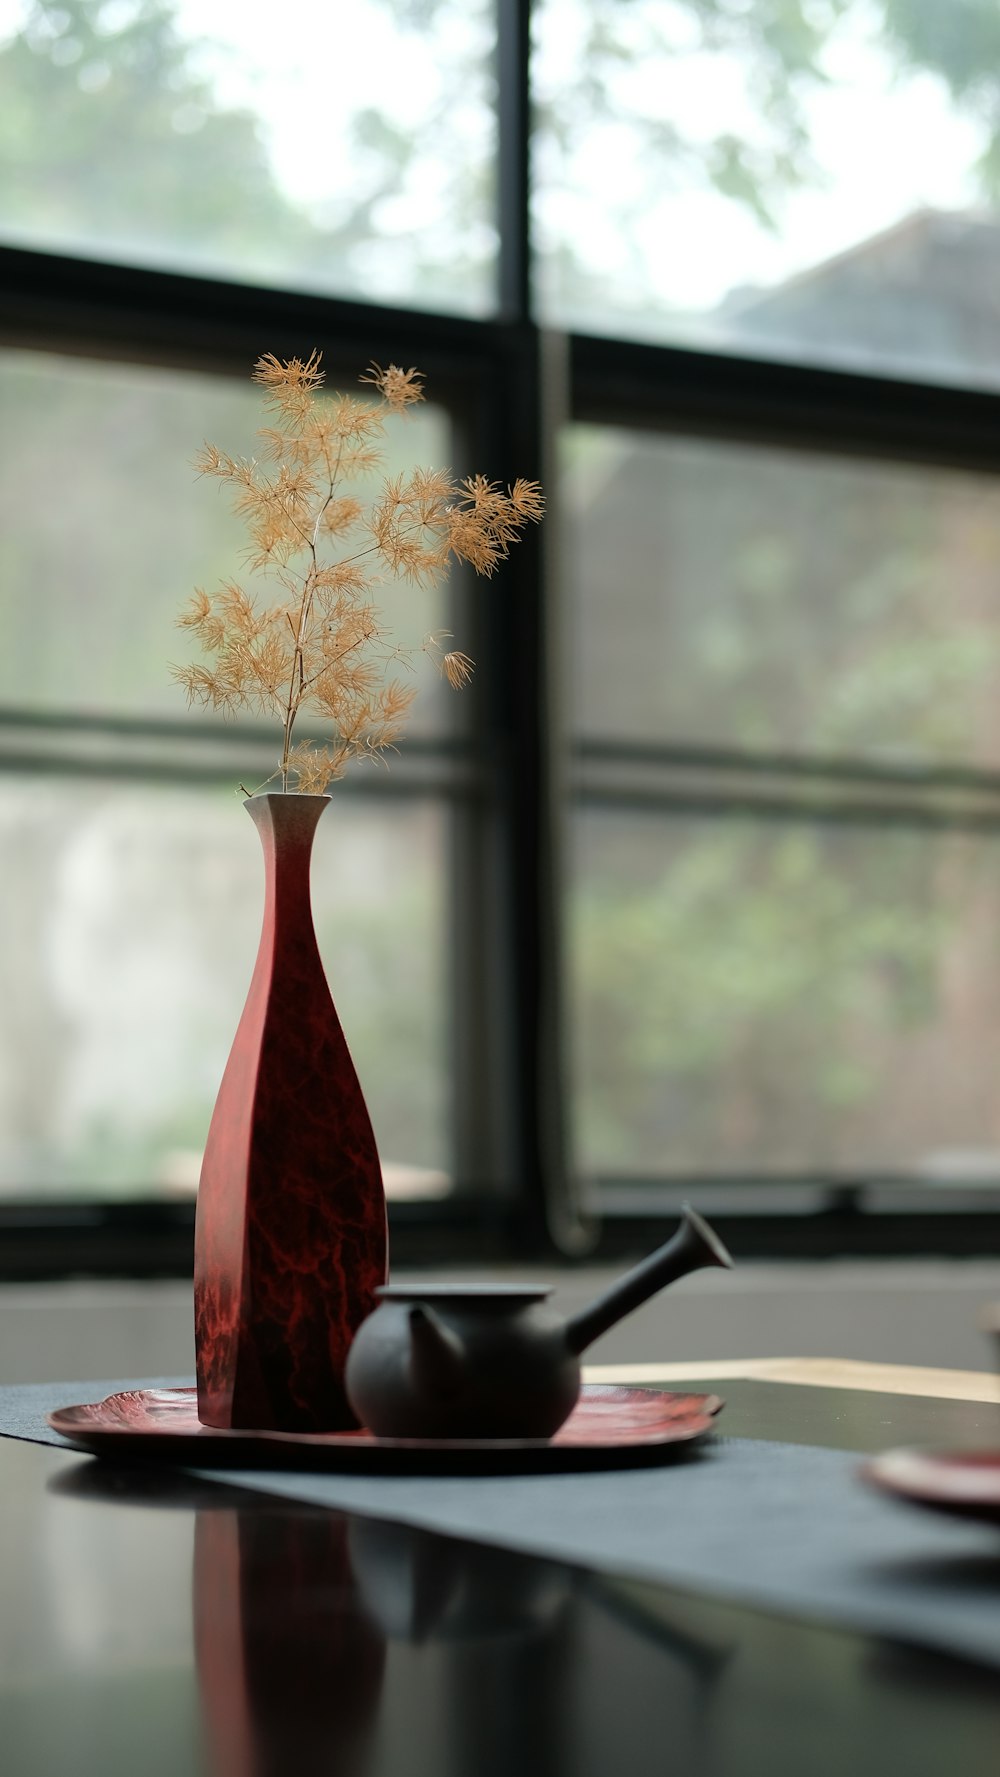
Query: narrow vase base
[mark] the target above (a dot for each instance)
(229, 1413)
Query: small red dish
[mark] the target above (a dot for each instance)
(610, 1427)
(962, 1482)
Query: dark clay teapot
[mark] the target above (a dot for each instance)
(495, 1361)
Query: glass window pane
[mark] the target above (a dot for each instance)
(105, 529)
(816, 179)
(344, 152)
(723, 595)
(132, 921)
(783, 998)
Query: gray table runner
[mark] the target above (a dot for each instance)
(780, 1527)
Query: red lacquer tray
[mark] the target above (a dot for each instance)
(610, 1427)
(963, 1482)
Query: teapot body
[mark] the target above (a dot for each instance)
(462, 1361)
(493, 1360)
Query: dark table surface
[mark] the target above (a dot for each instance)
(152, 1624)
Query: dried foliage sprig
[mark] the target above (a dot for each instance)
(320, 644)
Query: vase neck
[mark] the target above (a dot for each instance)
(286, 823)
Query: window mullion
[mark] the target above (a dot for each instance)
(514, 151)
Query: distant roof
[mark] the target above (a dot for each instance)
(927, 288)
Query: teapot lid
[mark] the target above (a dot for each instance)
(506, 1294)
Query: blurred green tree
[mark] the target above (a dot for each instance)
(109, 134)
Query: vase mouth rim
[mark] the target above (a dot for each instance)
(288, 796)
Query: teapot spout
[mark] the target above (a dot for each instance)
(693, 1246)
(437, 1361)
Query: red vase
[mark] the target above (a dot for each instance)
(290, 1232)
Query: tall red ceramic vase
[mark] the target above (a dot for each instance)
(290, 1232)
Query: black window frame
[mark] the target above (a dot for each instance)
(513, 383)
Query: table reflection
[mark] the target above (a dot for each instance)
(497, 1662)
(358, 1647)
(319, 1643)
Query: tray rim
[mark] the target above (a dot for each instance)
(211, 1446)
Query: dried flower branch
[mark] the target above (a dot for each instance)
(320, 645)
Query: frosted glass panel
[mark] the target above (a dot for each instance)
(131, 926)
(777, 998)
(734, 596)
(813, 179)
(339, 149)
